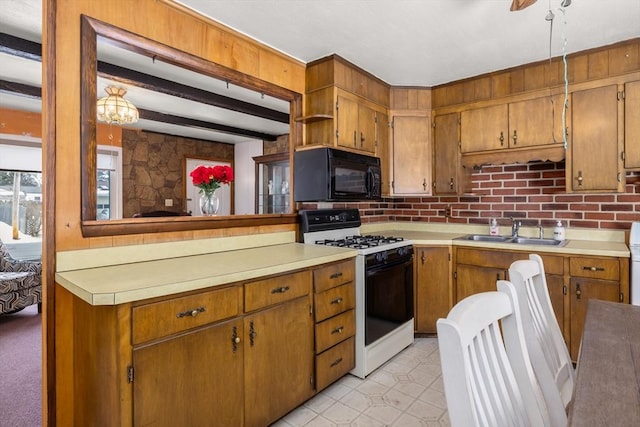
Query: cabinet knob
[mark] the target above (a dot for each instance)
(515, 137)
(579, 178)
(578, 292)
(451, 184)
(337, 301)
(424, 184)
(236, 340)
(280, 290)
(501, 138)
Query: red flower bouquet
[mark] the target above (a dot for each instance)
(209, 178)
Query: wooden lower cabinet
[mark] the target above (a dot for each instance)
(241, 354)
(278, 361)
(433, 292)
(178, 381)
(571, 280)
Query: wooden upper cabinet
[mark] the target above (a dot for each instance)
(595, 152)
(531, 122)
(446, 154)
(484, 129)
(411, 154)
(632, 125)
(342, 103)
(521, 124)
(347, 122)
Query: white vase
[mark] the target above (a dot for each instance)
(209, 203)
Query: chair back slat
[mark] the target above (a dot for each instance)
(548, 352)
(481, 386)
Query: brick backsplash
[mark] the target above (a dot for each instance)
(534, 193)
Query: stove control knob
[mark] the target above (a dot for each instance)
(403, 251)
(381, 256)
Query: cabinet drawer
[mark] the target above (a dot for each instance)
(333, 275)
(274, 290)
(595, 268)
(335, 363)
(334, 301)
(335, 329)
(503, 259)
(155, 320)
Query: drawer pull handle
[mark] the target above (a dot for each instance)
(280, 290)
(336, 362)
(191, 313)
(337, 301)
(338, 330)
(593, 268)
(336, 275)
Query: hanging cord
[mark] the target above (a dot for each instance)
(566, 80)
(550, 16)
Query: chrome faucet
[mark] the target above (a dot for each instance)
(540, 231)
(515, 226)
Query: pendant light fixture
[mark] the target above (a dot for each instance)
(113, 108)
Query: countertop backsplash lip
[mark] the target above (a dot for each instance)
(574, 233)
(117, 255)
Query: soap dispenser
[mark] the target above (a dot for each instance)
(494, 230)
(558, 232)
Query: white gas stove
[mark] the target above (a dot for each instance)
(384, 283)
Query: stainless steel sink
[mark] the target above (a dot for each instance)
(534, 241)
(485, 238)
(515, 240)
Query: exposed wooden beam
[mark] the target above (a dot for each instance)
(33, 51)
(157, 84)
(20, 89)
(195, 123)
(20, 47)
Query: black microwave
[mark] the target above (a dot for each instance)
(328, 174)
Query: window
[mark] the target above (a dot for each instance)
(109, 177)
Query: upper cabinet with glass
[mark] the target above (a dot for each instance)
(189, 108)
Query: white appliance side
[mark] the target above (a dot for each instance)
(635, 275)
(634, 248)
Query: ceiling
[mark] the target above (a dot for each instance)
(403, 42)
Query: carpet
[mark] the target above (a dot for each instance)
(21, 368)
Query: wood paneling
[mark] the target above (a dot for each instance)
(603, 62)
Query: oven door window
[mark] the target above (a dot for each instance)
(389, 299)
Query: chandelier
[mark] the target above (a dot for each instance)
(113, 108)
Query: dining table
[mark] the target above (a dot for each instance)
(607, 386)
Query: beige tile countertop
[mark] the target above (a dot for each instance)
(134, 281)
(579, 241)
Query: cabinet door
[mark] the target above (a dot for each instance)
(383, 150)
(595, 154)
(582, 290)
(411, 152)
(446, 154)
(279, 358)
(632, 125)
(531, 122)
(472, 279)
(179, 381)
(483, 129)
(433, 291)
(347, 123)
(366, 139)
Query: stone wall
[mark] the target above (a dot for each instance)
(153, 168)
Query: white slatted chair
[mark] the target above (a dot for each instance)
(547, 350)
(483, 386)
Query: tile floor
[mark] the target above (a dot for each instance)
(407, 391)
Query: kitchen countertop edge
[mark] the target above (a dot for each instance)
(149, 279)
